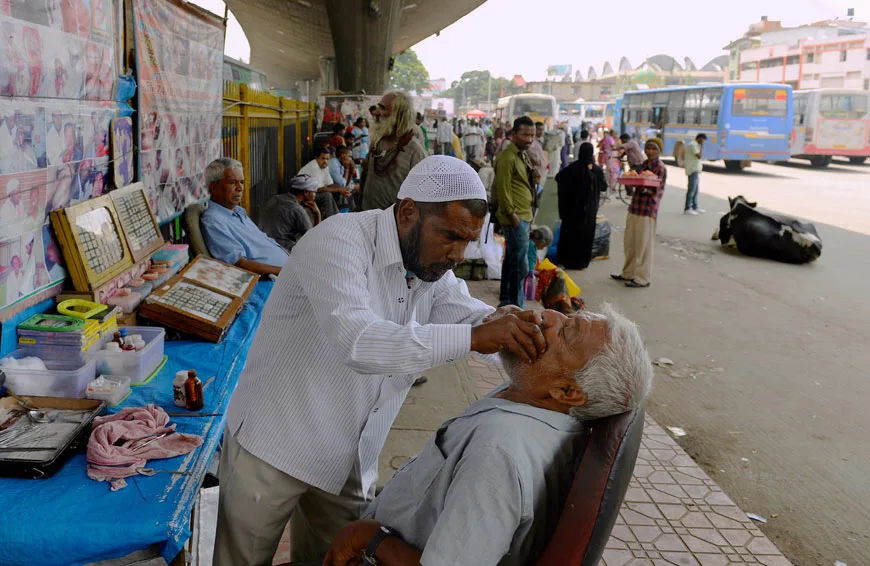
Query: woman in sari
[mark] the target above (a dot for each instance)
(579, 188)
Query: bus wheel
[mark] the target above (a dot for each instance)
(680, 154)
(820, 161)
(733, 165)
(857, 160)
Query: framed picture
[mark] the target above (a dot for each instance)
(93, 242)
(219, 276)
(138, 223)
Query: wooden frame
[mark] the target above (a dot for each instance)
(135, 195)
(162, 306)
(73, 226)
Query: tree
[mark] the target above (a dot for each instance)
(474, 87)
(409, 73)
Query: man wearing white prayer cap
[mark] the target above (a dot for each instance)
(368, 302)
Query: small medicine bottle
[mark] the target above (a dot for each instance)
(193, 391)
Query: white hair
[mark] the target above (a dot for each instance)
(618, 378)
(215, 170)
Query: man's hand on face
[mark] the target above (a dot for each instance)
(350, 542)
(519, 333)
(528, 316)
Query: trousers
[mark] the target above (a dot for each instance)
(515, 266)
(257, 500)
(640, 234)
(692, 192)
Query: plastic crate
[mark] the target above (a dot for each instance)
(62, 378)
(639, 181)
(135, 365)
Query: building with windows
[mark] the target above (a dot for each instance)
(827, 54)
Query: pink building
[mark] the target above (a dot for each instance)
(828, 54)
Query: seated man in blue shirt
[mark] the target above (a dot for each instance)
(229, 234)
(343, 172)
(489, 486)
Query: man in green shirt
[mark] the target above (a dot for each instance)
(514, 195)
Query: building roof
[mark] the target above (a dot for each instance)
(519, 81)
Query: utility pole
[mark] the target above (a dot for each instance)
(489, 93)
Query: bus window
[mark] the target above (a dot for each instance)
(676, 113)
(760, 102)
(661, 99)
(710, 106)
(693, 107)
(539, 106)
(843, 106)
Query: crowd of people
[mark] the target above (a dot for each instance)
(367, 302)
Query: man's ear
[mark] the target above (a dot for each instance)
(406, 214)
(567, 393)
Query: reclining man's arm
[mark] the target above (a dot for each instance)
(350, 543)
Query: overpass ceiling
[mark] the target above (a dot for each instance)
(288, 37)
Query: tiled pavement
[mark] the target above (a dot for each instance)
(673, 513)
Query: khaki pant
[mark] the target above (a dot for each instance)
(257, 500)
(640, 234)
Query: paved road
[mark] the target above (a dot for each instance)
(771, 360)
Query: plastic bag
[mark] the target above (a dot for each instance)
(601, 241)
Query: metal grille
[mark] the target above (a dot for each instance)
(291, 165)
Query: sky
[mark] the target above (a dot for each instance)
(584, 33)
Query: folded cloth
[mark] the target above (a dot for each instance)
(122, 443)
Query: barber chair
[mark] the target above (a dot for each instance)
(600, 483)
(596, 495)
(192, 214)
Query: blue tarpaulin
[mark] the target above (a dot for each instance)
(71, 519)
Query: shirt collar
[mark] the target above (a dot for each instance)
(387, 250)
(554, 419)
(238, 211)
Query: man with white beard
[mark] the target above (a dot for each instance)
(394, 151)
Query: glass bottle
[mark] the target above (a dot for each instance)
(193, 391)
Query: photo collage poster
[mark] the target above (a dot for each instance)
(57, 85)
(180, 62)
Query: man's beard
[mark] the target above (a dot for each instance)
(410, 247)
(383, 128)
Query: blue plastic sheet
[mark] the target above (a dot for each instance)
(8, 329)
(70, 519)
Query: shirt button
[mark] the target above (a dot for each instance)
(375, 410)
(449, 359)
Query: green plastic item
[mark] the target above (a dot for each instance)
(150, 377)
(53, 323)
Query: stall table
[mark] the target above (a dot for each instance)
(72, 519)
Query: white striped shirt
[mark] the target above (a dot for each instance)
(342, 338)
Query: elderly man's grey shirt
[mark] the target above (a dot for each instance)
(285, 220)
(487, 488)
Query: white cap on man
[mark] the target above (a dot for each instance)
(441, 178)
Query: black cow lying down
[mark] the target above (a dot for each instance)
(771, 236)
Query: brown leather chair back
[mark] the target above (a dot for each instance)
(192, 215)
(600, 483)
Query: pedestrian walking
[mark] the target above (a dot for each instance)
(694, 151)
(640, 222)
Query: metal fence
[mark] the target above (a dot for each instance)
(269, 135)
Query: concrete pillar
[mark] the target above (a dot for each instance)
(363, 33)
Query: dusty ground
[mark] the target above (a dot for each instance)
(771, 377)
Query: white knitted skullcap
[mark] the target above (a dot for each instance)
(440, 178)
(304, 183)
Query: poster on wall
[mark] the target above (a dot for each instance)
(180, 60)
(57, 85)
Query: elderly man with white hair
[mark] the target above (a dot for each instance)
(229, 233)
(394, 152)
(489, 486)
(367, 303)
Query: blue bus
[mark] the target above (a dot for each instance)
(743, 122)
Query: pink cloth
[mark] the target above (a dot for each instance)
(116, 450)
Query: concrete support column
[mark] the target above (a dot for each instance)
(363, 33)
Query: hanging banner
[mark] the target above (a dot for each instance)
(179, 51)
(57, 84)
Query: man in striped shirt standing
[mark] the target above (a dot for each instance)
(368, 302)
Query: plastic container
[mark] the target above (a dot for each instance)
(62, 378)
(112, 389)
(137, 365)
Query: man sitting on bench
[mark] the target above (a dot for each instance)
(489, 486)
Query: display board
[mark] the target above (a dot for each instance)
(179, 51)
(138, 223)
(57, 82)
(203, 299)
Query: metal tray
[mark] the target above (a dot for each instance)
(72, 439)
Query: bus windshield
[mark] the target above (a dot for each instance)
(760, 102)
(539, 106)
(843, 106)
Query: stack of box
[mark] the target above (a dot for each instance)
(54, 335)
